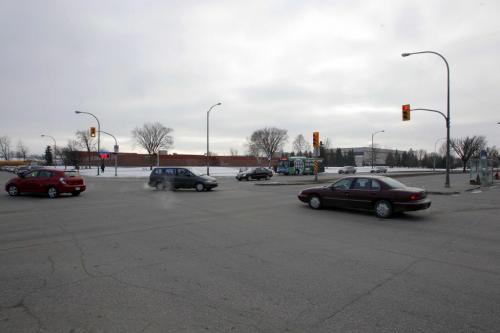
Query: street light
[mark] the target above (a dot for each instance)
(55, 145)
(447, 181)
(373, 150)
(435, 153)
(208, 148)
(98, 135)
(115, 151)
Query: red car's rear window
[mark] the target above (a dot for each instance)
(71, 173)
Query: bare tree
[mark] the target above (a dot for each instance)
(22, 150)
(327, 144)
(468, 147)
(300, 145)
(70, 154)
(85, 141)
(5, 147)
(153, 137)
(268, 141)
(233, 152)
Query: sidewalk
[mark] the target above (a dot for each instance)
(433, 183)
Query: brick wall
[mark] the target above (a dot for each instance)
(144, 160)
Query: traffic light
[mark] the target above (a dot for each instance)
(92, 132)
(316, 139)
(406, 112)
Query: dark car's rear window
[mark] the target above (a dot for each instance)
(394, 183)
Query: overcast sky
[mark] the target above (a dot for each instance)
(330, 66)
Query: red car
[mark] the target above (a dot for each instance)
(46, 181)
(383, 195)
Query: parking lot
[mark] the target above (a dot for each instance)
(123, 257)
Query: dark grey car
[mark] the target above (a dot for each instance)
(254, 173)
(173, 178)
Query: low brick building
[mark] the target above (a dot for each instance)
(144, 160)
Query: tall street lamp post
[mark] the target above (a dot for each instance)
(55, 145)
(447, 181)
(208, 148)
(98, 135)
(115, 151)
(373, 150)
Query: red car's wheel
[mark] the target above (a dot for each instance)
(13, 190)
(52, 192)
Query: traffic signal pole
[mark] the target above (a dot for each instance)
(316, 146)
(448, 116)
(447, 120)
(98, 136)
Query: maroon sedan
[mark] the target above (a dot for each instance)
(46, 181)
(383, 195)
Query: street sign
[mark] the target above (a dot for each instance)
(163, 152)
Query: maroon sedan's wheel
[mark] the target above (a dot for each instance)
(315, 202)
(52, 192)
(383, 209)
(13, 190)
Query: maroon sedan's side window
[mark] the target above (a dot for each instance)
(375, 185)
(343, 184)
(362, 184)
(366, 184)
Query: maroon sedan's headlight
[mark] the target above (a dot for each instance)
(61, 180)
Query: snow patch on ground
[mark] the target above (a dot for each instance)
(141, 172)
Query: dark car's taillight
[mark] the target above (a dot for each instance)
(417, 196)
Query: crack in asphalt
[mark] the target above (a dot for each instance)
(80, 250)
(371, 290)
(22, 305)
(52, 265)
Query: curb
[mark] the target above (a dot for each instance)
(443, 193)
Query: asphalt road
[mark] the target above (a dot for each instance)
(244, 258)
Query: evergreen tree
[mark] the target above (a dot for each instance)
(350, 160)
(339, 157)
(390, 160)
(48, 156)
(397, 159)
